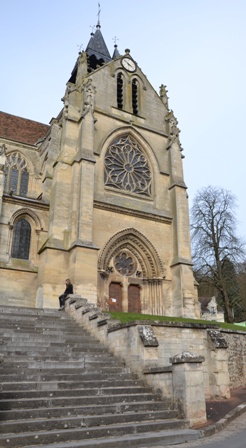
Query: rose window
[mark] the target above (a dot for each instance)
(126, 167)
(124, 264)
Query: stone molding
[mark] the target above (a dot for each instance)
(125, 211)
(140, 246)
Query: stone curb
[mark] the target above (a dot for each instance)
(222, 423)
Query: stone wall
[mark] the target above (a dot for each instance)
(182, 360)
(236, 357)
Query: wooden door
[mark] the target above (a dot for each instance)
(115, 297)
(134, 303)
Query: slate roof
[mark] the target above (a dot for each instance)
(97, 46)
(21, 129)
(116, 53)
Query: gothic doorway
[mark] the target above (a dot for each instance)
(115, 297)
(130, 274)
(134, 303)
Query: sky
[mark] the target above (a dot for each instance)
(194, 47)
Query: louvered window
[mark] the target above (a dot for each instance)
(135, 96)
(120, 91)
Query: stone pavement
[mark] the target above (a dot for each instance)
(229, 431)
(227, 415)
(217, 409)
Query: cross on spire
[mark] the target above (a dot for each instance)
(98, 14)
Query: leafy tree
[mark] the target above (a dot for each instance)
(214, 240)
(241, 275)
(233, 290)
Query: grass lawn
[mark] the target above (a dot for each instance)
(130, 317)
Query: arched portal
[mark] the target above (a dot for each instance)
(129, 263)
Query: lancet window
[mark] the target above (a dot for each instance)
(21, 239)
(16, 174)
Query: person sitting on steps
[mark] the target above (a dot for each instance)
(63, 297)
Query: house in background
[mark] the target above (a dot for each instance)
(210, 310)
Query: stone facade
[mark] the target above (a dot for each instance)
(106, 204)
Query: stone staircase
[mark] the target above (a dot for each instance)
(60, 388)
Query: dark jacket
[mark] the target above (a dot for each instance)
(69, 289)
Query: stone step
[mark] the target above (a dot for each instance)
(59, 387)
(61, 364)
(151, 439)
(45, 342)
(77, 434)
(4, 309)
(27, 359)
(53, 351)
(68, 422)
(78, 392)
(58, 338)
(86, 409)
(65, 385)
(62, 375)
(38, 321)
(76, 400)
(55, 332)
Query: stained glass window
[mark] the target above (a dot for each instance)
(21, 239)
(124, 264)
(16, 174)
(24, 182)
(13, 181)
(126, 167)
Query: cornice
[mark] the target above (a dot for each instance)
(10, 143)
(140, 214)
(129, 122)
(179, 260)
(24, 202)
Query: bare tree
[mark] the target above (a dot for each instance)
(214, 240)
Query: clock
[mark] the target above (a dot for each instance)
(128, 64)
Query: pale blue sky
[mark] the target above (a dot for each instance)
(195, 47)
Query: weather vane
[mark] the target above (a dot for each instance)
(115, 40)
(80, 47)
(92, 28)
(98, 14)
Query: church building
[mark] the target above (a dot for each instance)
(97, 196)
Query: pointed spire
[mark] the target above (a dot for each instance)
(116, 53)
(97, 46)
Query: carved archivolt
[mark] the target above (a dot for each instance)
(140, 247)
(26, 212)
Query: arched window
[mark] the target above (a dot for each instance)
(135, 96)
(120, 91)
(16, 174)
(21, 239)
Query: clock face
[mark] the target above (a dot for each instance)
(128, 64)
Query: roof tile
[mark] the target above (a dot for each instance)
(21, 129)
